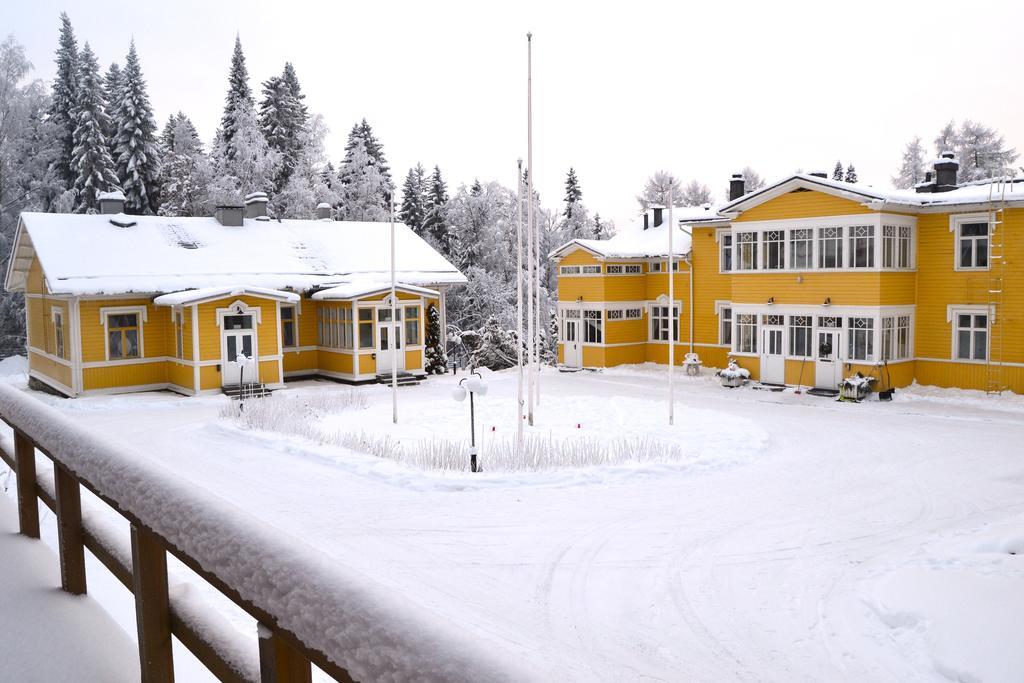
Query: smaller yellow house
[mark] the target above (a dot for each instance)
(118, 303)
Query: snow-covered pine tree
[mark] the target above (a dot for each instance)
(239, 98)
(575, 223)
(911, 171)
(694, 194)
(573, 193)
(837, 172)
(549, 349)
(138, 155)
(497, 348)
(91, 156)
(111, 99)
(63, 101)
(362, 190)
(186, 172)
(414, 196)
(376, 151)
(851, 174)
(435, 222)
(602, 229)
(282, 118)
(436, 358)
(180, 136)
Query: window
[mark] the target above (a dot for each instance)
(862, 337)
(746, 243)
(633, 313)
(771, 320)
(888, 338)
(614, 314)
(972, 245)
(656, 267)
(345, 315)
(774, 249)
(613, 269)
(384, 314)
(801, 248)
(569, 270)
(830, 247)
(896, 338)
(659, 323)
(573, 313)
(123, 335)
(634, 269)
(862, 246)
(902, 337)
(896, 246)
(412, 325)
(725, 263)
(971, 336)
(366, 328)
(725, 325)
(592, 327)
(746, 333)
(591, 270)
(662, 266)
(288, 336)
(829, 322)
(179, 334)
(800, 336)
(58, 332)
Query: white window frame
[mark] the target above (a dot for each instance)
(589, 318)
(142, 312)
(952, 313)
(178, 320)
(635, 313)
(779, 243)
(746, 246)
(591, 269)
(898, 242)
(854, 239)
(59, 342)
(654, 313)
(569, 270)
(613, 269)
(790, 327)
(955, 224)
(726, 241)
(791, 243)
(633, 269)
(869, 337)
(720, 308)
(755, 330)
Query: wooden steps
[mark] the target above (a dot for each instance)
(246, 391)
(404, 379)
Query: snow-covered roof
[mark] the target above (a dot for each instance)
(195, 296)
(633, 243)
(359, 288)
(974, 193)
(87, 254)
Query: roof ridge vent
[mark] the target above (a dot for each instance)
(120, 220)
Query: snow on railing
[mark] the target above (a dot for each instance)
(310, 607)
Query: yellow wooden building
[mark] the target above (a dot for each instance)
(118, 303)
(810, 280)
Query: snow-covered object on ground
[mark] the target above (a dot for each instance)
(733, 375)
(49, 635)
(364, 628)
(86, 254)
(856, 387)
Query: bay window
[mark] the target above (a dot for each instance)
(895, 246)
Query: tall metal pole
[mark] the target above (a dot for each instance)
(531, 349)
(672, 321)
(395, 330)
(537, 329)
(519, 310)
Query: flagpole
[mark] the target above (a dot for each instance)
(519, 310)
(395, 328)
(529, 221)
(673, 323)
(537, 327)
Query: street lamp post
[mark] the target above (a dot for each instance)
(473, 385)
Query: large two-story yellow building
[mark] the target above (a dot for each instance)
(810, 280)
(118, 303)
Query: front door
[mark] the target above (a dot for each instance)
(828, 365)
(571, 344)
(773, 358)
(389, 340)
(239, 351)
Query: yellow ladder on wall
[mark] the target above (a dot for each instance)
(997, 270)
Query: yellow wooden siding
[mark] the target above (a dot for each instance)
(801, 204)
(181, 375)
(131, 375)
(579, 257)
(713, 357)
(335, 361)
(844, 289)
(186, 338)
(50, 368)
(367, 363)
(209, 377)
(587, 288)
(35, 283)
(625, 331)
(966, 375)
(413, 359)
(402, 296)
(709, 286)
(620, 355)
(594, 356)
(42, 332)
(155, 328)
(298, 361)
(210, 333)
(270, 372)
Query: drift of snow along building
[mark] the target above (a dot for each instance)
(118, 303)
(810, 280)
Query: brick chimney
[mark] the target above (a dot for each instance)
(737, 186)
(111, 202)
(946, 167)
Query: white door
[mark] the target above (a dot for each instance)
(828, 365)
(773, 358)
(389, 333)
(571, 350)
(239, 339)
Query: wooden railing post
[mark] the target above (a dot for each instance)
(28, 508)
(69, 531)
(152, 606)
(279, 661)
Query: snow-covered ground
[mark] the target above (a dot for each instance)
(794, 537)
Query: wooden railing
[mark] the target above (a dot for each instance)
(282, 655)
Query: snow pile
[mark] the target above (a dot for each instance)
(13, 369)
(958, 604)
(368, 630)
(1007, 402)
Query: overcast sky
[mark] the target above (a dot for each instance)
(700, 89)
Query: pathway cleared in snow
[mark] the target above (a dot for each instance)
(863, 542)
(47, 634)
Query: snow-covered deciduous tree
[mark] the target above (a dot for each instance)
(658, 188)
(947, 139)
(414, 198)
(247, 164)
(239, 99)
(695, 194)
(981, 151)
(435, 207)
(436, 359)
(91, 157)
(307, 185)
(752, 181)
(851, 174)
(837, 172)
(911, 171)
(138, 156)
(602, 229)
(63, 100)
(180, 136)
(497, 347)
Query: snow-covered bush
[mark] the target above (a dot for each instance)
(293, 415)
(496, 349)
